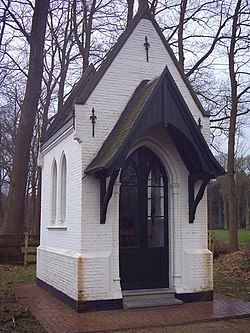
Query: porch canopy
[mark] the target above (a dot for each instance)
(157, 102)
(153, 103)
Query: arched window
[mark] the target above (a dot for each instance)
(63, 188)
(53, 192)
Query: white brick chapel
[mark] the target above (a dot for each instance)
(125, 166)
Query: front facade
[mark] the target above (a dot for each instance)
(125, 166)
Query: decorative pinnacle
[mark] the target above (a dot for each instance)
(142, 5)
(146, 45)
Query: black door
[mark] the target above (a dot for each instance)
(143, 222)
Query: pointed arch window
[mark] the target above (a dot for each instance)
(62, 190)
(53, 193)
(58, 194)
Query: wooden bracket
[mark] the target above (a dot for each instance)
(194, 201)
(106, 194)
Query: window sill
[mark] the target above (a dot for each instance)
(56, 227)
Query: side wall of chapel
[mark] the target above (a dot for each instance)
(58, 256)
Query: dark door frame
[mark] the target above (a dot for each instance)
(147, 264)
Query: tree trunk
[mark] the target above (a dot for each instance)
(247, 211)
(130, 10)
(238, 212)
(1, 211)
(225, 210)
(14, 216)
(231, 187)
(183, 6)
(37, 208)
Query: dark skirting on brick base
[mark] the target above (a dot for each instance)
(81, 306)
(196, 297)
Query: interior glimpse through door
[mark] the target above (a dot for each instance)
(143, 222)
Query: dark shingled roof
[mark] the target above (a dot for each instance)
(153, 103)
(91, 78)
(127, 120)
(66, 112)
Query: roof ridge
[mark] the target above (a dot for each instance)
(112, 53)
(61, 114)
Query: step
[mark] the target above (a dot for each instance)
(150, 303)
(146, 298)
(142, 294)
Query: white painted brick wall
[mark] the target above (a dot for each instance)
(71, 237)
(59, 268)
(197, 272)
(115, 89)
(96, 274)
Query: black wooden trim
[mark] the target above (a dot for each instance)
(180, 70)
(165, 101)
(196, 297)
(108, 195)
(194, 201)
(59, 132)
(81, 306)
(134, 261)
(103, 183)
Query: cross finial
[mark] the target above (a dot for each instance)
(199, 124)
(147, 45)
(93, 121)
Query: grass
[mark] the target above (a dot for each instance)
(13, 274)
(222, 236)
(13, 316)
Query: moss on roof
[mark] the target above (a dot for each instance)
(123, 126)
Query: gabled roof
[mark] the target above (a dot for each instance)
(153, 103)
(90, 79)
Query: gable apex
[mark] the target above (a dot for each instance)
(144, 13)
(113, 52)
(86, 86)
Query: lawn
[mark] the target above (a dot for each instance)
(13, 316)
(222, 236)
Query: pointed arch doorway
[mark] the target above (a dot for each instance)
(143, 222)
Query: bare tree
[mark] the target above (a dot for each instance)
(13, 221)
(130, 4)
(9, 118)
(237, 44)
(3, 17)
(183, 7)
